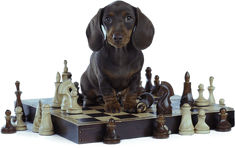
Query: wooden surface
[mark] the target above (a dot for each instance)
(90, 125)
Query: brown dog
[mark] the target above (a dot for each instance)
(117, 60)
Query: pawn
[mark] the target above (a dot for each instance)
(223, 125)
(221, 102)
(161, 131)
(20, 125)
(74, 108)
(46, 126)
(201, 126)
(156, 86)
(148, 85)
(37, 118)
(8, 128)
(201, 101)
(111, 136)
(186, 124)
(211, 89)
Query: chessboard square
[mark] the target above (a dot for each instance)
(98, 115)
(79, 116)
(87, 120)
(117, 114)
(106, 119)
(91, 112)
(144, 115)
(125, 116)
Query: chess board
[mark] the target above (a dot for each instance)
(89, 126)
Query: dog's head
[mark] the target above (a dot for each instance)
(122, 24)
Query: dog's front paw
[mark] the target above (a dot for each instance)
(112, 106)
(130, 107)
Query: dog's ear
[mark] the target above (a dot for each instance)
(94, 33)
(143, 33)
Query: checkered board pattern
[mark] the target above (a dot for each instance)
(97, 114)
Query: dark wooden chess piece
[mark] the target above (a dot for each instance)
(148, 74)
(187, 96)
(111, 136)
(8, 128)
(223, 125)
(80, 96)
(162, 91)
(18, 99)
(145, 101)
(161, 131)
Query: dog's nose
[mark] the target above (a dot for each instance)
(117, 37)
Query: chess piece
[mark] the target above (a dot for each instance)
(111, 136)
(18, 99)
(223, 125)
(211, 89)
(66, 74)
(161, 131)
(187, 96)
(80, 96)
(201, 126)
(145, 101)
(148, 85)
(37, 118)
(164, 102)
(186, 125)
(56, 103)
(8, 128)
(221, 102)
(20, 125)
(156, 86)
(46, 126)
(74, 108)
(201, 101)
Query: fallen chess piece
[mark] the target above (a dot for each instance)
(186, 125)
(37, 118)
(20, 125)
(8, 128)
(161, 131)
(223, 125)
(201, 126)
(111, 136)
(46, 126)
(145, 102)
(211, 89)
(187, 96)
(201, 101)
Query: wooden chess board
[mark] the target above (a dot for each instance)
(89, 126)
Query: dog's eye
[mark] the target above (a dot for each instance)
(128, 19)
(107, 20)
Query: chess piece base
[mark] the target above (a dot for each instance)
(21, 128)
(35, 130)
(8, 130)
(223, 130)
(46, 133)
(55, 105)
(161, 136)
(202, 131)
(111, 141)
(191, 132)
(201, 103)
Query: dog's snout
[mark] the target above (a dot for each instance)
(117, 37)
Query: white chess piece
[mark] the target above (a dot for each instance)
(20, 125)
(37, 118)
(211, 89)
(186, 126)
(201, 101)
(57, 100)
(74, 108)
(46, 126)
(221, 102)
(65, 73)
(201, 126)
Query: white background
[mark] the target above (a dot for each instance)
(36, 36)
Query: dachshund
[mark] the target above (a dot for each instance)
(116, 34)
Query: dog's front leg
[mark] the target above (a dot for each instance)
(110, 98)
(130, 97)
